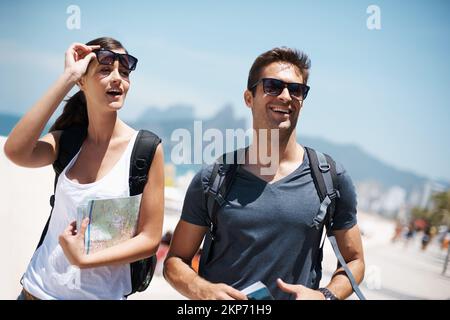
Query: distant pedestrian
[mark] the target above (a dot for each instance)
(397, 231)
(409, 233)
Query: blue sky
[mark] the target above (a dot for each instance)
(386, 90)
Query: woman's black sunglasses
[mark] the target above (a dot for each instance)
(274, 87)
(107, 57)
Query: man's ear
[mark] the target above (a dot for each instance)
(248, 98)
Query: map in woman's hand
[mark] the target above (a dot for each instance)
(111, 221)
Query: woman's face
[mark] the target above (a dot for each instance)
(106, 85)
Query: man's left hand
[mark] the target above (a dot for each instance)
(301, 292)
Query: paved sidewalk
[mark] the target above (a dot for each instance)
(393, 271)
(407, 272)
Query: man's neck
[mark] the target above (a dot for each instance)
(276, 158)
(283, 144)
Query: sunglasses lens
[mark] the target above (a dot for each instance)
(273, 87)
(296, 90)
(128, 61)
(108, 57)
(105, 57)
(302, 92)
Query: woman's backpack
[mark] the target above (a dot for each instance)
(141, 158)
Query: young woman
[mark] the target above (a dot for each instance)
(60, 268)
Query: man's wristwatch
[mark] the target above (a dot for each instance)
(328, 294)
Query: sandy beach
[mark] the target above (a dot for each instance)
(393, 271)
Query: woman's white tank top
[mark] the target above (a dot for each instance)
(49, 274)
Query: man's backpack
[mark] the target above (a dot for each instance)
(323, 171)
(141, 158)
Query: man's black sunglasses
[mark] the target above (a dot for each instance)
(274, 87)
(107, 57)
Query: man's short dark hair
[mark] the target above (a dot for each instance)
(283, 54)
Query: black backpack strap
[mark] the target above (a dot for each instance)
(222, 177)
(214, 198)
(141, 159)
(323, 171)
(219, 184)
(69, 144)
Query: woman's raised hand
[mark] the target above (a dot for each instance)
(77, 60)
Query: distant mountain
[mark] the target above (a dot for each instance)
(172, 113)
(364, 167)
(165, 121)
(361, 165)
(225, 119)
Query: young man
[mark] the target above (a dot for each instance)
(264, 232)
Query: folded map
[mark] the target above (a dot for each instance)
(111, 221)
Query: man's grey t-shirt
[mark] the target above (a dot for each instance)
(264, 230)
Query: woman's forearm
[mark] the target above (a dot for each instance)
(131, 250)
(23, 138)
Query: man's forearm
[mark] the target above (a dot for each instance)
(340, 284)
(183, 278)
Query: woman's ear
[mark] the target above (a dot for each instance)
(80, 83)
(248, 98)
